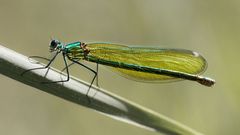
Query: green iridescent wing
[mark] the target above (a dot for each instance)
(171, 59)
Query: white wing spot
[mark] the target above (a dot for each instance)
(195, 54)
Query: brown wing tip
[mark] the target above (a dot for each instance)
(206, 81)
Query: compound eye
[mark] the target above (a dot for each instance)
(54, 43)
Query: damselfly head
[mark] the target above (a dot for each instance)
(54, 45)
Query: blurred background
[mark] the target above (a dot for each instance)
(208, 27)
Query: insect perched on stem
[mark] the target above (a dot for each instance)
(137, 63)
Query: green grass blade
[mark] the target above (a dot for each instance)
(12, 64)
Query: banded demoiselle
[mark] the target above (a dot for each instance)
(137, 63)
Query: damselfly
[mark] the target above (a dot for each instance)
(137, 63)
